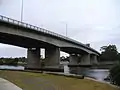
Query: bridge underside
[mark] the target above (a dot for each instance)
(22, 41)
(72, 50)
(52, 60)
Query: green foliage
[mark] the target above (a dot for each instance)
(12, 61)
(115, 75)
(109, 53)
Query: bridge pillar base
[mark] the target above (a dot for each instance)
(73, 60)
(52, 58)
(33, 58)
(85, 60)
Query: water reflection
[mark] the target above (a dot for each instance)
(11, 67)
(98, 74)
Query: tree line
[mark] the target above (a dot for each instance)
(12, 61)
(109, 53)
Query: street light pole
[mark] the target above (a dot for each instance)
(22, 11)
(66, 29)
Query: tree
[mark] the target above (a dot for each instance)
(109, 53)
(115, 75)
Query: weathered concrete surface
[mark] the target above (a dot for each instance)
(93, 59)
(85, 60)
(74, 60)
(52, 57)
(6, 85)
(33, 58)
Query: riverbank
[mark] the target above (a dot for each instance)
(39, 81)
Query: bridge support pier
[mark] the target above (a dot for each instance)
(94, 59)
(52, 58)
(33, 58)
(73, 59)
(85, 60)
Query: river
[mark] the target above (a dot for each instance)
(98, 74)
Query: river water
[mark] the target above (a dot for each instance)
(98, 74)
(11, 67)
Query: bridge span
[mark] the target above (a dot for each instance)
(33, 38)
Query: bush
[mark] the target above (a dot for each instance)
(115, 75)
(1, 62)
(9, 61)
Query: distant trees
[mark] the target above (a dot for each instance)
(12, 61)
(109, 53)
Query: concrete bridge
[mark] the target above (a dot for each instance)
(33, 38)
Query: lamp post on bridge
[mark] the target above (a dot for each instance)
(66, 28)
(21, 10)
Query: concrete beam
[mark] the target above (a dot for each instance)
(85, 59)
(33, 58)
(52, 57)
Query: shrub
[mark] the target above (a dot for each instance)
(115, 75)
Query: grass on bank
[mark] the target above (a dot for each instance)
(38, 81)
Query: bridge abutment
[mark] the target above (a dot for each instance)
(52, 58)
(33, 58)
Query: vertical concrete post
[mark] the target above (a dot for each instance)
(73, 59)
(52, 57)
(85, 59)
(94, 59)
(33, 58)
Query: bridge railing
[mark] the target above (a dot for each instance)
(6, 19)
(16, 22)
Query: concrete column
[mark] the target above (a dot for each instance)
(52, 57)
(94, 59)
(73, 59)
(33, 58)
(85, 59)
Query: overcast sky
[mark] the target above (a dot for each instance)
(89, 21)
